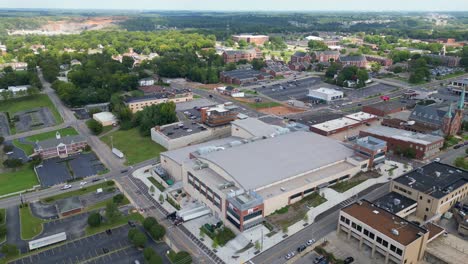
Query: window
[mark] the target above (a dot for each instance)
(428, 200)
(385, 243)
(399, 251)
(353, 225)
(371, 235)
(379, 240)
(427, 209)
(420, 197)
(366, 232)
(343, 219)
(347, 221)
(359, 228)
(392, 248)
(363, 166)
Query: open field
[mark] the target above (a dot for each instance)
(135, 147)
(29, 149)
(31, 226)
(280, 110)
(21, 179)
(27, 102)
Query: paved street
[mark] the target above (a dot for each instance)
(325, 223)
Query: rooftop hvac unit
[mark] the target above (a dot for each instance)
(395, 232)
(375, 212)
(437, 174)
(396, 201)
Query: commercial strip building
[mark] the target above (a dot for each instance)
(396, 239)
(436, 187)
(256, 39)
(424, 146)
(326, 95)
(244, 179)
(243, 76)
(105, 118)
(60, 146)
(342, 124)
(174, 95)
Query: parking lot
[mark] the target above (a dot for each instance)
(4, 126)
(371, 90)
(292, 89)
(34, 119)
(57, 170)
(99, 248)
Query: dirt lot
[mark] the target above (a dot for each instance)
(280, 110)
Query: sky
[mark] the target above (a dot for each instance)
(246, 5)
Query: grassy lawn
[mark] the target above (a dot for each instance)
(291, 214)
(28, 148)
(135, 147)
(31, 226)
(263, 105)
(21, 179)
(157, 184)
(346, 185)
(27, 102)
(87, 189)
(2, 222)
(121, 221)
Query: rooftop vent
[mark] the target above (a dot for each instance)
(396, 201)
(395, 232)
(375, 212)
(437, 174)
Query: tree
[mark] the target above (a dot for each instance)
(155, 115)
(118, 198)
(161, 198)
(10, 250)
(152, 190)
(13, 163)
(155, 259)
(94, 219)
(139, 239)
(215, 243)
(112, 212)
(242, 44)
(257, 64)
(3, 230)
(2, 139)
(157, 231)
(128, 62)
(149, 222)
(257, 245)
(131, 233)
(317, 45)
(306, 218)
(285, 229)
(148, 253)
(375, 66)
(36, 160)
(94, 126)
(362, 77)
(7, 148)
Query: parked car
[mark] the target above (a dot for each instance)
(458, 146)
(288, 256)
(318, 259)
(123, 171)
(66, 186)
(301, 248)
(96, 180)
(310, 242)
(348, 260)
(131, 223)
(83, 183)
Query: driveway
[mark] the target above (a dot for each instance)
(44, 210)
(14, 229)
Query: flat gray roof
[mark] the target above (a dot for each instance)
(263, 162)
(182, 129)
(255, 127)
(399, 134)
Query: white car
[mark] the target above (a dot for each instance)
(310, 242)
(66, 186)
(83, 183)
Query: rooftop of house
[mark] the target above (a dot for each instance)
(433, 114)
(300, 54)
(387, 223)
(155, 96)
(394, 202)
(435, 179)
(327, 52)
(68, 204)
(403, 135)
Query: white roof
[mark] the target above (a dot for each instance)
(314, 38)
(18, 88)
(263, 162)
(250, 36)
(336, 124)
(361, 116)
(255, 127)
(104, 116)
(404, 135)
(326, 91)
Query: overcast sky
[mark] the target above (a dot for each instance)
(246, 5)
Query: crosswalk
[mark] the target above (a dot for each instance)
(347, 202)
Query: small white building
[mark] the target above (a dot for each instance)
(314, 38)
(105, 118)
(146, 82)
(325, 94)
(16, 89)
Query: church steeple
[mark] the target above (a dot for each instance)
(461, 102)
(449, 112)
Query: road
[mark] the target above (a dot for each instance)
(325, 224)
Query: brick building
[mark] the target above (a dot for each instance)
(171, 95)
(449, 61)
(217, 116)
(384, 108)
(255, 39)
(358, 61)
(326, 56)
(300, 56)
(371, 148)
(60, 146)
(241, 76)
(233, 56)
(386, 62)
(401, 141)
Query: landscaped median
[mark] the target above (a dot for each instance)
(31, 226)
(84, 190)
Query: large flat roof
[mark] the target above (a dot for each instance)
(394, 202)
(435, 179)
(255, 127)
(336, 124)
(182, 129)
(403, 135)
(266, 161)
(384, 221)
(361, 116)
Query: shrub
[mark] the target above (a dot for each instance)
(94, 219)
(3, 230)
(139, 239)
(7, 148)
(149, 222)
(148, 253)
(155, 259)
(2, 139)
(12, 163)
(110, 183)
(131, 233)
(94, 126)
(118, 199)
